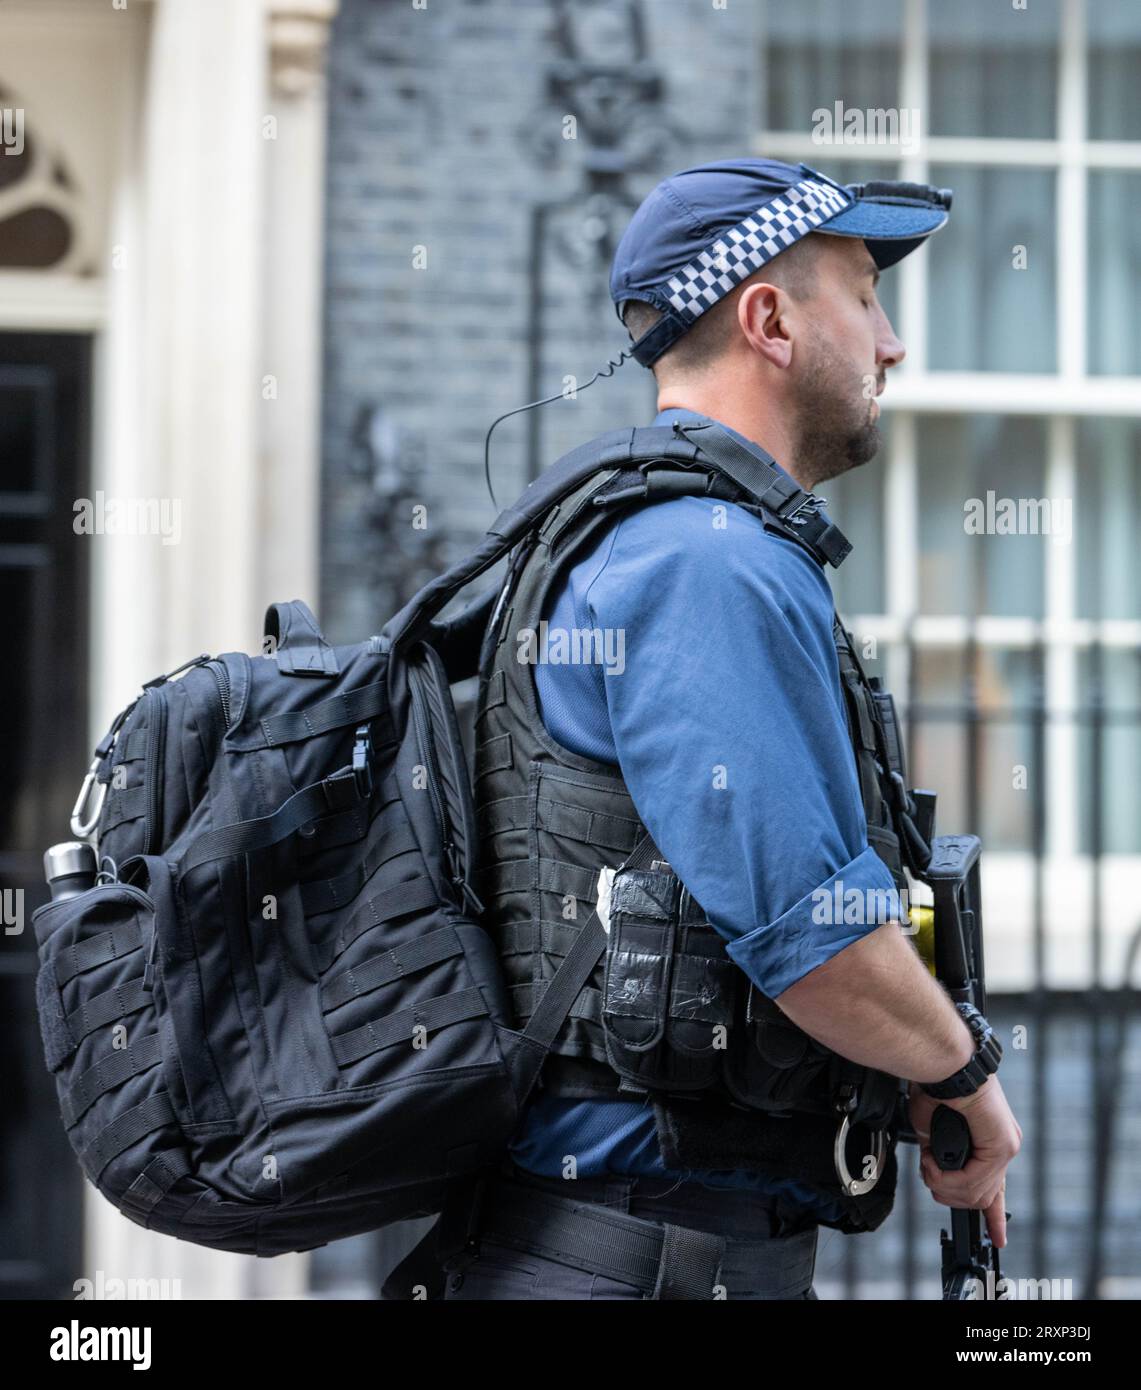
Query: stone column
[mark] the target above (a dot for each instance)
(218, 232)
(291, 321)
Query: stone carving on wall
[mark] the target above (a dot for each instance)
(604, 116)
(40, 204)
(406, 546)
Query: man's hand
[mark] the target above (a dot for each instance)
(996, 1137)
(875, 1003)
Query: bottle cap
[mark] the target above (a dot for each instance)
(69, 857)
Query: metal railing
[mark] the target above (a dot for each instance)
(1040, 1080)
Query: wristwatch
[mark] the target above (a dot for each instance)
(988, 1053)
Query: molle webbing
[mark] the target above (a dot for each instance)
(550, 820)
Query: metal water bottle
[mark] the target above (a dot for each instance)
(69, 868)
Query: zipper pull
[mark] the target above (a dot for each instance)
(149, 968)
(186, 665)
(472, 899)
(466, 890)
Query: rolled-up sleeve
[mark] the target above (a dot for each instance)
(729, 729)
(823, 922)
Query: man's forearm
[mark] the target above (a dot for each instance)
(875, 1003)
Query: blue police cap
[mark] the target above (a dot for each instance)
(703, 231)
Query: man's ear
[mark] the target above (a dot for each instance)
(763, 316)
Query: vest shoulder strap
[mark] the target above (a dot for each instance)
(703, 444)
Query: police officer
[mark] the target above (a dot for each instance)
(685, 689)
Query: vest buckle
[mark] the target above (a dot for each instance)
(806, 508)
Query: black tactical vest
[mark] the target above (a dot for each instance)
(666, 1015)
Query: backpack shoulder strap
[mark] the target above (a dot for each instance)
(611, 450)
(704, 444)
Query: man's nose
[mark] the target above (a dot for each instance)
(890, 350)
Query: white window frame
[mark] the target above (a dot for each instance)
(1057, 398)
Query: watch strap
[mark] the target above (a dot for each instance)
(982, 1065)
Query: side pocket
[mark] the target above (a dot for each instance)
(639, 956)
(56, 1035)
(103, 1040)
(701, 1007)
(180, 979)
(84, 945)
(779, 1063)
(661, 1008)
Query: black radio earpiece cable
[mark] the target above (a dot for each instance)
(608, 370)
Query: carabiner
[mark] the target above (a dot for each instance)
(82, 828)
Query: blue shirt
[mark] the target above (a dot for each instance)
(725, 715)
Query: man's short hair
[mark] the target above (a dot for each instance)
(794, 270)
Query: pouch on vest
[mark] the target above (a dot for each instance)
(667, 1006)
(780, 1064)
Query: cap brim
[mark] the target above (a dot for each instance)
(891, 229)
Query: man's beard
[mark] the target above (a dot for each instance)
(834, 431)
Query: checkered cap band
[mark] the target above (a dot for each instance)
(753, 243)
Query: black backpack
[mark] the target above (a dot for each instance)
(275, 1019)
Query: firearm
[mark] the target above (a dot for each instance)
(970, 1260)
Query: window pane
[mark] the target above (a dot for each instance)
(938, 730)
(819, 52)
(21, 427)
(973, 719)
(1106, 511)
(986, 471)
(856, 505)
(991, 273)
(993, 69)
(1113, 29)
(1005, 688)
(1114, 322)
(1111, 678)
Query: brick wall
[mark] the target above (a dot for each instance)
(443, 135)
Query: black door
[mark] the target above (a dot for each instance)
(44, 440)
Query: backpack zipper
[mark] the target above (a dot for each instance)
(222, 678)
(423, 723)
(156, 746)
(156, 743)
